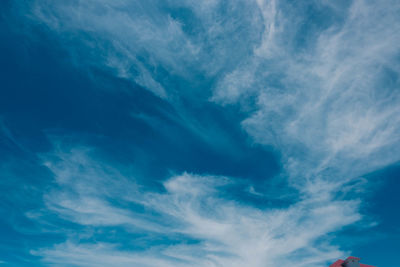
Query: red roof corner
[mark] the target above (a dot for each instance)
(340, 263)
(337, 263)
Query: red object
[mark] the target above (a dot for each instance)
(339, 263)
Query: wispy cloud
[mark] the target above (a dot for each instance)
(227, 233)
(333, 109)
(143, 41)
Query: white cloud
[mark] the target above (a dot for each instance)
(230, 233)
(100, 254)
(335, 114)
(333, 97)
(140, 40)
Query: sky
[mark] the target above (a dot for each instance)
(199, 133)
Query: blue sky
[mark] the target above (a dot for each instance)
(199, 133)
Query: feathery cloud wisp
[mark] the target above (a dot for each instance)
(227, 232)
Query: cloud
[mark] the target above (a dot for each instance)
(331, 104)
(226, 232)
(328, 90)
(151, 43)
